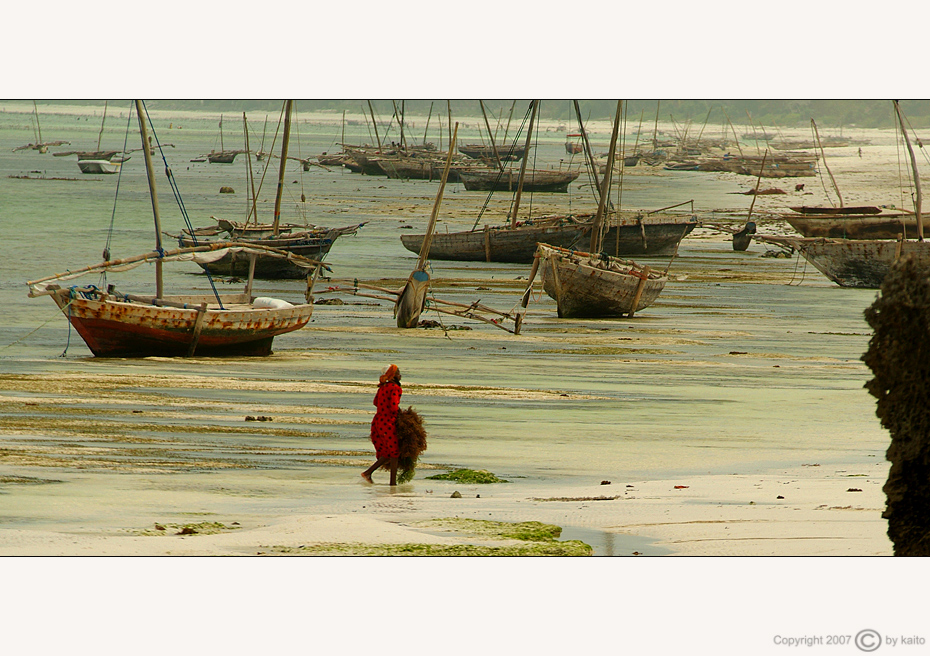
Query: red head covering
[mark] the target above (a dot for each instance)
(389, 374)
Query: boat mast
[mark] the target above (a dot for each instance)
(100, 136)
(910, 150)
(428, 117)
(587, 146)
(375, 123)
(38, 127)
(153, 192)
(605, 185)
(222, 147)
(434, 215)
(280, 191)
(824, 155)
(493, 144)
(526, 156)
(248, 159)
(655, 130)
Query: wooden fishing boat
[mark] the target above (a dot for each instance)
(507, 180)
(512, 153)
(594, 284)
(864, 263)
(852, 222)
(312, 244)
(105, 166)
(41, 146)
(306, 241)
(588, 286)
(637, 234)
(860, 263)
(116, 324)
(223, 156)
(339, 159)
(778, 166)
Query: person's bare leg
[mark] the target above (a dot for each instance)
(368, 472)
(394, 471)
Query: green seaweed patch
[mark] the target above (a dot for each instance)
(526, 531)
(567, 548)
(201, 528)
(468, 477)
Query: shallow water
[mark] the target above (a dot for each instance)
(733, 370)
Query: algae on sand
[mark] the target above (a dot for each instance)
(468, 476)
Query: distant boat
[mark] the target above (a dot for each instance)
(107, 166)
(867, 222)
(864, 263)
(512, 153)
(595, 284)
(507, 180)
(311, 242)
(115, 324)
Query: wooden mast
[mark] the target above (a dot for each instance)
(412, 298)
(38, 127)
(526, 156)
(428, 117)
(605, 185)
(910, 150)
(493, 144)
(100, 136)
(587, 148)
(222, 147)
(248, 159)
(431, 227)
(824, 156)
(153, 192)
(655, 130)
(375, 123)
(280, 190)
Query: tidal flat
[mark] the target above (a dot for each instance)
(726, 419)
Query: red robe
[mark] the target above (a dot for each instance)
(384, 425)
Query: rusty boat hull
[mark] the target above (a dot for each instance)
(113, 326)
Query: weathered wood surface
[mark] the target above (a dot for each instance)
(584, 286)
(313, 245)
(511, 153)
(536, 181)
(113, 326)
(642, 236)
(860, 263)
(888, 225)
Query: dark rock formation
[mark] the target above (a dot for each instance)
(899, 357)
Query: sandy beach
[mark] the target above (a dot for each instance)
(807, 511)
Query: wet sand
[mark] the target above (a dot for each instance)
(742, 384)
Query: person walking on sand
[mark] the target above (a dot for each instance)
(384, 425)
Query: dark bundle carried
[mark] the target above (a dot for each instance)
(411, 439)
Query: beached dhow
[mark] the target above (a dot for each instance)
(864, 263)
(114, 323)
(305, 241)
(594, 284)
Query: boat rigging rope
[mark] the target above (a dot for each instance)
(526, 117)
(42, 325)
(177, 196)
(119, 176)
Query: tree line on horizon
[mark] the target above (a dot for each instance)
(761, 113)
